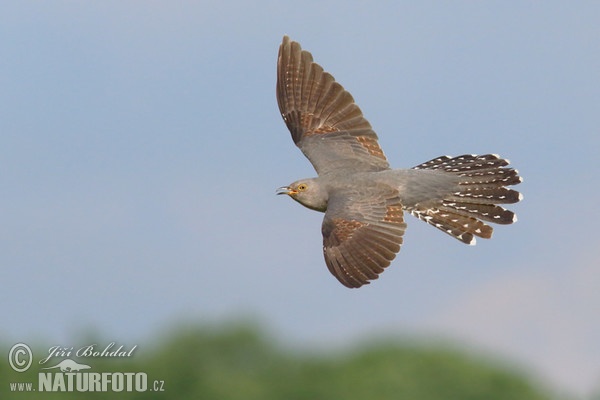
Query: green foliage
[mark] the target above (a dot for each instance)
(240, 362)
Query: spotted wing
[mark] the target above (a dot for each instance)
(322, 117)
(361, 236)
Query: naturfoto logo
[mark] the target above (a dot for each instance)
(69, 366)
(67, 375)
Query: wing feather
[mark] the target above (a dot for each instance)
(362, 237)
(325, 122)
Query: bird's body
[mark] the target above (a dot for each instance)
(412, 186)
(363, 199)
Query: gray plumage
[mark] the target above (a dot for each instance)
(362, 198)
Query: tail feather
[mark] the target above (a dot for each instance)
(461, 227)
(483, 171)
(492, 178)
(481, 187)
(485, 195)
(486, 212)
(466, 162)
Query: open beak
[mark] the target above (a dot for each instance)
(285, 190)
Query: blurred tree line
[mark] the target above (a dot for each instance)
(239, 361)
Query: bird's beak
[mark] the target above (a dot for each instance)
(285, 190)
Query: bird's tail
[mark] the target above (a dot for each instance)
(482, 185)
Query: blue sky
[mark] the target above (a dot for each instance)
(141, 147)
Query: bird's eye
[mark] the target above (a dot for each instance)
(302, 187)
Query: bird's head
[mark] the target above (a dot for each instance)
(308, 192)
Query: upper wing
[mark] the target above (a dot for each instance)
(362, 236)
(322, 117)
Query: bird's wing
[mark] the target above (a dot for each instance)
(322, 117)
(362, 234)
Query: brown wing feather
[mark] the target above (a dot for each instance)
(361, 239)
(325, 122)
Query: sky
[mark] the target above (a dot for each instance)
(141, 146)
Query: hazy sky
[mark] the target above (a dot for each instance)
(141, 146)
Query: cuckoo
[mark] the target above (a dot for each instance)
(364, 200)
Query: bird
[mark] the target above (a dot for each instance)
(362, 197)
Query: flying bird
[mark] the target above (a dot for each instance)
(363, 199)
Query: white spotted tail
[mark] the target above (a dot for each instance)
(483, 182)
